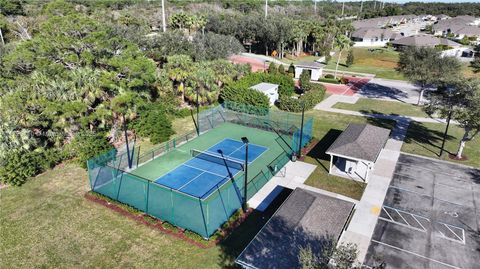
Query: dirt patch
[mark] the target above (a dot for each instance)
(454, 157)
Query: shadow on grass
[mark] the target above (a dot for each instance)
(416, 133)
(238, 240)
(318, 152)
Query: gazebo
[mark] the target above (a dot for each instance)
(354, 153)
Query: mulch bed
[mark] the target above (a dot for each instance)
(157, 224)
(454, 157)
(308, 148)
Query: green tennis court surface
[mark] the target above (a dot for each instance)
(161, 165)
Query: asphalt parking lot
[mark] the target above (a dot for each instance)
(430, 217)
(402, 91)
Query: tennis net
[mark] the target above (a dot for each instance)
(214, 158)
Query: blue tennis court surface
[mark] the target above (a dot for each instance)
(198, 177)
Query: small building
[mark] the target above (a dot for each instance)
(305, 219)
(270, 90)
(315, 69)
(354, 153)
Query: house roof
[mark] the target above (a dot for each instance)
(370, 32)
(424, 41)
(264, 87)
(305, 219)
(311, 65)
(360, 141)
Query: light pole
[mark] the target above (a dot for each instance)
(198, 123)
(244, 205)
(301, 132)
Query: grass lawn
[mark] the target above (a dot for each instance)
(468, 71)
(381, 62)
(384, 107)
(426, 139)
(308, 58)
(47, 223)
(327, 127)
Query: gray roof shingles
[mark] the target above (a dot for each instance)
(306, 218)
(360, 141)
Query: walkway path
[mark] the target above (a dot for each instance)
(292, 176)
(367, 211)
(327, 104)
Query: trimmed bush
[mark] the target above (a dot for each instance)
(281, 69)
(329, 76)
(18, 167)
(309, 99)
(272, 68)
(291, 69)
(88, 144)
(239, 91)
(304, 80)
(343, 80)
(329, 80)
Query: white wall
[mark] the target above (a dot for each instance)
(272, 95)
(315, 73)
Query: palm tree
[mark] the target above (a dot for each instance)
(342, 42)
(179, 68)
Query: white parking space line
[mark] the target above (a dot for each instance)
(415, 254)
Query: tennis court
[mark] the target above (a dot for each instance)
(218, 164)
(196, 181)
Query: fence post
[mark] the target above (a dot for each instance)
(203, 216)
(146, 197)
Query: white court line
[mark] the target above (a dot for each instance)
(415, 254)
(205, 171)
(190, 181)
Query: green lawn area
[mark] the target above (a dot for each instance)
(381, 62)
(383, 107)
(47, 223)
(426, 139)
(327, 127)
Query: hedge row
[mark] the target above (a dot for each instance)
(17, 167)
(309, 99)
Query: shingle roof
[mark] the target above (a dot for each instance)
(424, 41)
(360, 141)
(369, 32)
(306, 218)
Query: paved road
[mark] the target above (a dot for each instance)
(390, 89)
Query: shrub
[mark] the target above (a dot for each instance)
(304, 80)
(329, 80)
(312, 97)
(350, 58)
(88, 144)
(240, 92)
(272, 68)
(329, 76)
(343, 80)
(291, 69)
(19, 166)
(153, 122)
(281, 69)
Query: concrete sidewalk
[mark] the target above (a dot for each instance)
(327, 104)
(292, 176)
(366, 215)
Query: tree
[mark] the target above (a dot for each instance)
(341, 257)
(461, 102)
(475, 64)
(342, 42)
(350, 58)
(426, 67)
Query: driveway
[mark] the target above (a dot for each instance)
(398, 90)
(429, 218)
